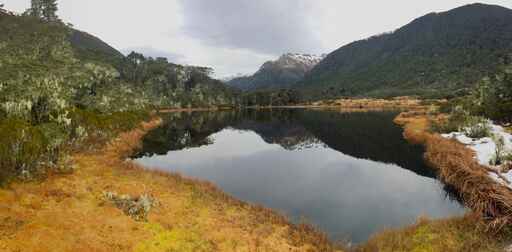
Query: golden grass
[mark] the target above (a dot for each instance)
(398, 102)
(456, 234)
(457, 167)
(68, 212)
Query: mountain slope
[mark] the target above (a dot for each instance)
(283, 72)
(435, 54)
(91, 48)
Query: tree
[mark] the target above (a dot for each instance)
(36, 8)
(44, 9)
(50, 10)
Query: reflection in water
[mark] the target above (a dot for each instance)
(342, 172)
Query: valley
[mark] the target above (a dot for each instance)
(397, 142)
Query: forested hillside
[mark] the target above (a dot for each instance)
(435, 55)
(60, 87)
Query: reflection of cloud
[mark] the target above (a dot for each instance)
(155, 53)
(341, 194)
(224, 144)
(265, 26)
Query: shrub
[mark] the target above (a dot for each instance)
(477, 127)
(22, 148)
(93, 125)
(455, 122)
(461, 121)
(499, 153)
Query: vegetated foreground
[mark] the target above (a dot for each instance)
(83, 212)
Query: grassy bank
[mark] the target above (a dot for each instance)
(454, 234)
(69, 212)
(457, 167)
(486, 228)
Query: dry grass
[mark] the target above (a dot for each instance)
(457, 167)
(456, 234)
(398, 102)
(68, 212)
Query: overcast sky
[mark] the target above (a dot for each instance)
(237, 36)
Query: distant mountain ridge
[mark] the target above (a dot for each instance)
(281, 73)
(438, 53)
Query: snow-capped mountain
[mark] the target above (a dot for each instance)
(295, 60)
(230, 78)
(281, 73)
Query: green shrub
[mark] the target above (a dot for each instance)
(499, 153)
(444, 127)
(477, 127)
(22, 148)
(92, 124)
(462, 121)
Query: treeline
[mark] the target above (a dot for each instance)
(172, 85)
(490, 98)
(281, 97)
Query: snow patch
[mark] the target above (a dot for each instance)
(485, 149)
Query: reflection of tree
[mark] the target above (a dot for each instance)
(184, 130)
(369, 135)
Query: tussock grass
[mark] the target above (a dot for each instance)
(457, 167)
(456, 234)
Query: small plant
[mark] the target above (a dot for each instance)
(477, 127)
(456, 121)
(507, 162)
(138, 208)
(499, 152)
(462, 121)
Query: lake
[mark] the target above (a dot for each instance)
(349, 173)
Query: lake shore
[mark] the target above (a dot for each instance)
(457, 166)
(71, 213)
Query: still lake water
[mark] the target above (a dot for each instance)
(351, 174)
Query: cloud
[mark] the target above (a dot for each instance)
(155, 53)
(263, 26)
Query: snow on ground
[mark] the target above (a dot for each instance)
(485, 148)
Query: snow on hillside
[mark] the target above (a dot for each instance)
(293, 59)
(307, 59)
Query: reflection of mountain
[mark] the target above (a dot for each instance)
(290, 136)
(369, 135)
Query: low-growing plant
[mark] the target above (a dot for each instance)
(477, 127)
(462, 121)
(136, 207)
(499, 152)
(455, 122)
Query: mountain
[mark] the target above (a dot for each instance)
(281, 73)
(88, 47)
(437, 54)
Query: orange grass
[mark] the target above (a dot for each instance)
(68, 212)
(455, 234)
(457, 167)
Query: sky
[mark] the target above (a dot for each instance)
(238, 36)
